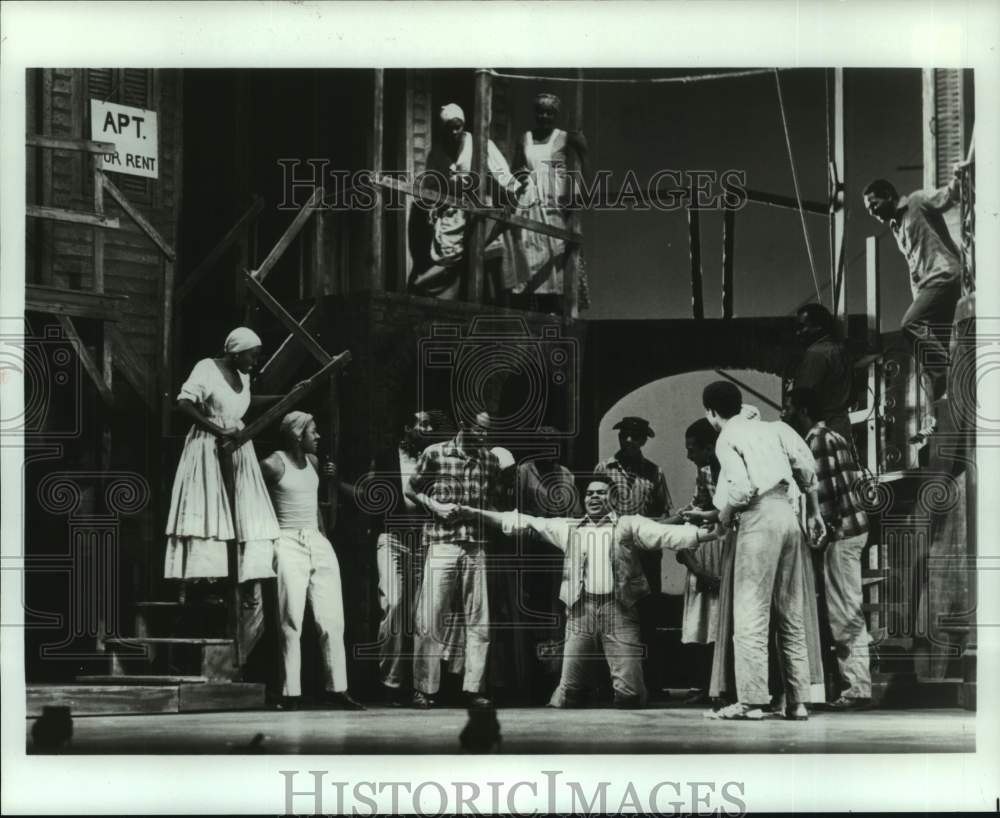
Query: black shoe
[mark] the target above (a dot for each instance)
(288, 703)
(477, 701)
(797, 712)
(843, 703)
(341, 701)
(421, 701)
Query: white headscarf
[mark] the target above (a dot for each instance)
(295, 423)
(504, 456)
(241, 339)
(451, 111)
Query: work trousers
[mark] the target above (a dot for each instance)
(308, 571)
(767, 581)
(400, 564)
(600, 627)
(842, 564)
(927, 324)
(452, 603)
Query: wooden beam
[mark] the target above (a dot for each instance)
(283, 316)
(433, 198)
(135, 370)
(77, 303)
(873, 449)
(59, 214)
(166, 347)
(375, 250)
(694, 238)
(289, 235)
(571, 307)
(138, 218)
(98, 234)
(728, 259)
(271, 374)
(838, 202)
(84, 145)
(774, 200)
(206, 265)
(278, 409)
(89, 364)
(476, 237)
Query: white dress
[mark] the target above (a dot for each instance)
(538, 262)
(200, 521)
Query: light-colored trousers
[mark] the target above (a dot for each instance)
(400, 564)
(308, 571)
(601, 627)
(767, 579)
(452, 603)
(847, 621)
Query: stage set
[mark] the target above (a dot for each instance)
(406, 280)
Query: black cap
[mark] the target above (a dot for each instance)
(634, 425)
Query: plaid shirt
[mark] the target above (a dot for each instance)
(449, 474)
(641, 491)
(837, 476)
(704, 489)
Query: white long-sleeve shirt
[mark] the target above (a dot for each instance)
(756, 456)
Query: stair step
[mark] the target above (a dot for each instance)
(141, 679)
(106, 700)
(212, 658)
(166, 640)
(155, 603)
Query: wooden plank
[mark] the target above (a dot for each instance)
(89, 364)
(46, 230)
(694, 244)
(873, 447)
(140, 679)
(282, 406)
(59, 214)
(206, 265)
(195, 698)
(134, 369)
(838, 204)
(272, 374)
(430, 197)
(289, 235)
(377, 215)
(476, 237)
(138, 218)
(102, 700)
(728, 259)
(285, 318)
(77, 303)
(775, 200)
(83, 145)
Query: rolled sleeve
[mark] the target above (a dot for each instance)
(734, 486)
(800, 457)
(652, 536)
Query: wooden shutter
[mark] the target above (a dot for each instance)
(125, 86)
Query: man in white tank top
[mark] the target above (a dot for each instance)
(306, 564)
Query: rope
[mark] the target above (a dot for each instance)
(795, 182)
(635, 81)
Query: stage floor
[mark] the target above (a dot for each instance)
(525, 730)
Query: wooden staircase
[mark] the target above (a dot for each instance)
(154, 672)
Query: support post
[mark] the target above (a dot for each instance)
(838, 202)
(728, 239)
(694, 234)
(98, 232)
(377, 269)
(872, 309)
(480, 136)
(570, 277)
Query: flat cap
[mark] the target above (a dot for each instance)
(634, 425)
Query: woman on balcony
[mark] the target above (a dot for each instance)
(537, 262)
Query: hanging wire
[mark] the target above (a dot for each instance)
(795, 182)
(832, 192)
(637, 81)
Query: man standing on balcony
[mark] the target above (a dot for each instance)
(462, 470)
(917, 223)
(439, 273)
(838, 476)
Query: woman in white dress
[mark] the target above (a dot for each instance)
(536, 263)
(202, 518)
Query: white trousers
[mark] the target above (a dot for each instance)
(308, 571)
(847, 621)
